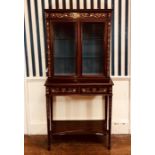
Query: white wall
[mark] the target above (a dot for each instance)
(76, 107)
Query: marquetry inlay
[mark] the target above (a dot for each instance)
(75, 15)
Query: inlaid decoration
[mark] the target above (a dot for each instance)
(75, 15)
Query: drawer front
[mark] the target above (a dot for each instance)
(94, 90)
(64, 90)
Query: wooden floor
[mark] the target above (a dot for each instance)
(77, 145)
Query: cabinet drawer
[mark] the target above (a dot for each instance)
(94, 90)
(64, 90)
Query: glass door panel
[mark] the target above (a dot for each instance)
(92, 48)
(64, 48)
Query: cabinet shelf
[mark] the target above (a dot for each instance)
(92, 57)
(67, 57)
(93, 38)
(63, 39)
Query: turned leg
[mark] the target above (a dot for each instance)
(109, 123)
(48, 121)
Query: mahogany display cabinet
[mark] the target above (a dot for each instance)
(78, 60)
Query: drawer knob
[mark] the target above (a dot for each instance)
(74, 90)
(83, 90)
(53, 90)
(104, 90)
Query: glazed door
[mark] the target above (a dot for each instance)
(92, 36)
(64, 48)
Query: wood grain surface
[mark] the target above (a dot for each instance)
(77, 145)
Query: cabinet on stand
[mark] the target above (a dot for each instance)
(78, 61)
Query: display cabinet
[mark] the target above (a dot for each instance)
(78, 61)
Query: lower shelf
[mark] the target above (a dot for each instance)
(79, 127)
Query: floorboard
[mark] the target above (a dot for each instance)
(77, 145)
